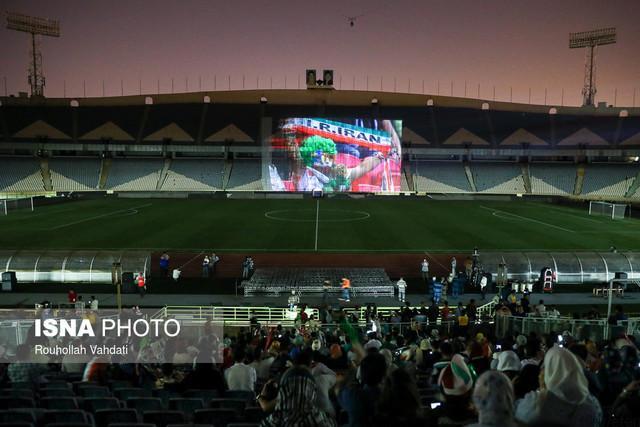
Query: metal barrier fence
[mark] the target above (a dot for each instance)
(596, 330)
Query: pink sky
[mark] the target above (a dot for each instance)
(506, 43)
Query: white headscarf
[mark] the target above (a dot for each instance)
(564, 376)
(493, 398)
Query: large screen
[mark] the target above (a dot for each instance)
(342, 155)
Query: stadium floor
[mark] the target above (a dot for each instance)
(160, 300)
(373, 225)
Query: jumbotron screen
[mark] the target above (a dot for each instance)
(342, 155)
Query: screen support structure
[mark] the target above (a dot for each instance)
(317, 223)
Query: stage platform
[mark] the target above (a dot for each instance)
(369, 282)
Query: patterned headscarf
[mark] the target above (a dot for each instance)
(296, 402)
(493, 398)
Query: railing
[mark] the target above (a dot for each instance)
(596, 330)
(233, 316)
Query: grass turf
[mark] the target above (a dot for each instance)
(355, 225)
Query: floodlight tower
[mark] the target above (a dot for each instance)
(34, 26)
(590, 40)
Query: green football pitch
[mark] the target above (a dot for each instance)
(334, 225)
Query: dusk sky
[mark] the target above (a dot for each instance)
(506, 43)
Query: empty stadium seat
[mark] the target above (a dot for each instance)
(17, 392)
(17, 424)
(190, 425)
(217, 417)
(127, 393)
(95, 404)
(117, 384)
(10, 402)
(552, 178)
(205, 395)
(56, 392)
(69, 425)
(608, 180)
(134, 174)
(246, 175)
(131, 425)
(243, 425)
(186, 405)
(74, 174)
(93, 391)
(498, 178)
(20, 174)
(144, 404)
(66, 416)
(240, 394)
(194, 175)
(104, 417)
(253, 414)
(441, 177)
(237, 405)
(59, 403)
(21, 385)
(163, 418)
(9, 416)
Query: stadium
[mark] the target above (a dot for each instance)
(324, 256)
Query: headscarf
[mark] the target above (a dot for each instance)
(508, 361)
(493, 398)
(564, 376)
(335, 351)
(296, 402)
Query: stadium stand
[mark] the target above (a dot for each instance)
(608, 180)
(134, 175)
(20, 174)
(441, 177)
(552, 179)
(194, 175)
(501, 178)
(245, 175)
(71, 174)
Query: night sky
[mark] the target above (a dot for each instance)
(507, 43)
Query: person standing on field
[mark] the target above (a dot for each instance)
(213, 260)
(206, 264)
(164, 264)
(402, 286)
(142, 286)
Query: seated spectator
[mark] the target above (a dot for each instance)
(456, 384)
(359, 398)
(493, 399)
(240, 376)
(526, 380)
(399, 401)
(23, 369)
(205, 376)
(508, 364)
(580, 350)
(563, 397)
(296, 400)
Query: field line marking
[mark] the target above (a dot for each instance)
(434, 259)
(133, 208)
(527, 219)
(562, 211)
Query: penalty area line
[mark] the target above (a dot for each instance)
(133, 208)
(493, 210)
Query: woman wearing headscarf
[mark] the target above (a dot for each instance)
(563, 397)
(493, 399)
(295, 406)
